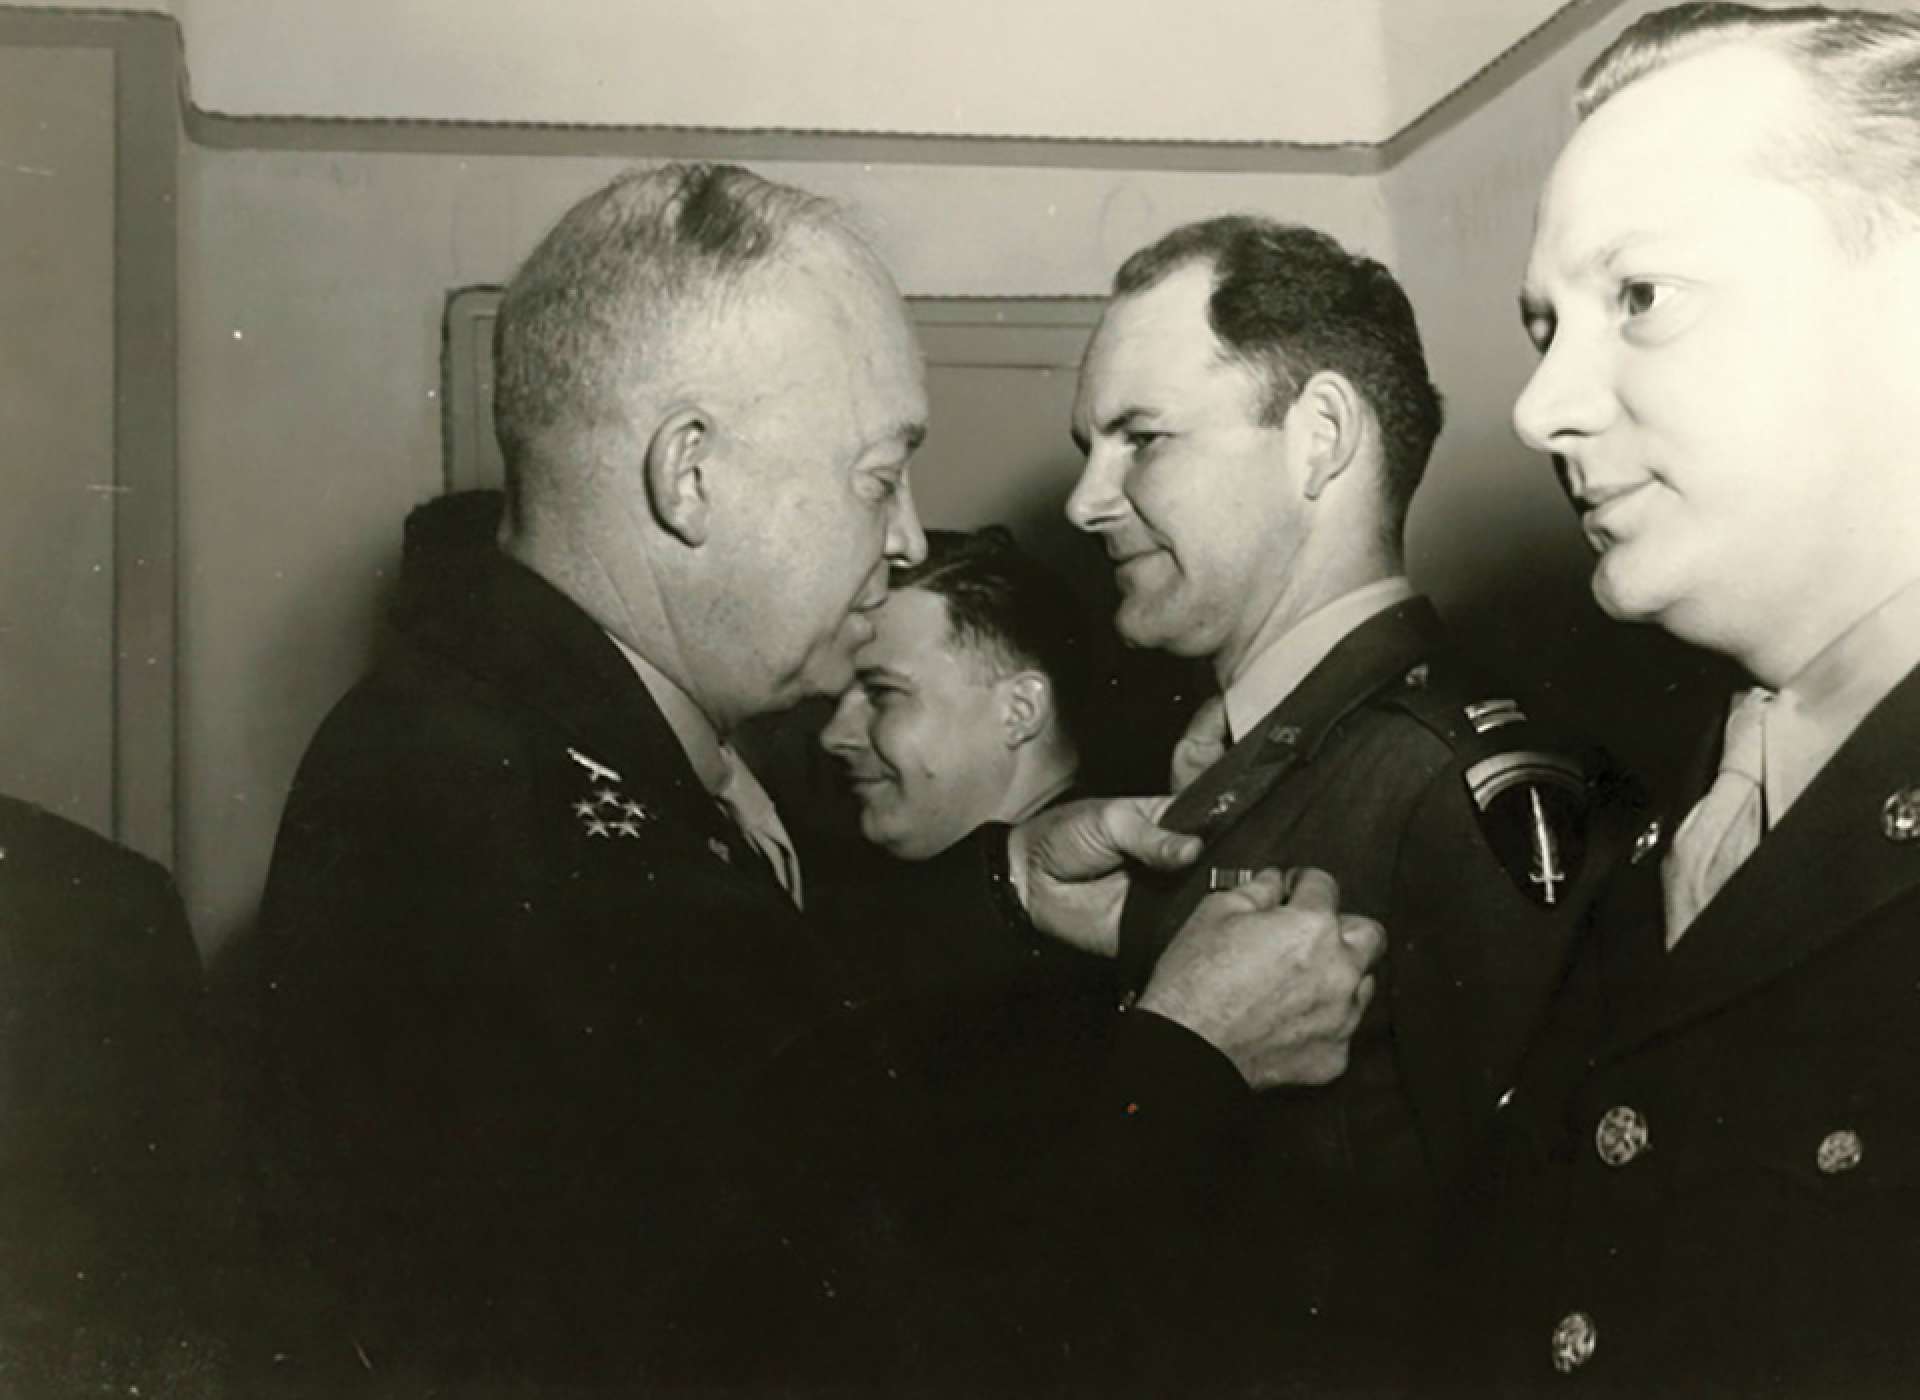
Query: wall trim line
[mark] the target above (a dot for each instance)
(218, 130)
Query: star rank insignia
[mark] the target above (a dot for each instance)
(605, 812)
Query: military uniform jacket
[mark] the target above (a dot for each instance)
(1442, 813)
(521, 983)
(104, 1093)
(1709, 1176)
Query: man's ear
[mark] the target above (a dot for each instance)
(1332, 420)
(676, 468)
(1026, 707)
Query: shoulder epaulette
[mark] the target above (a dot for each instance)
(1531, 796)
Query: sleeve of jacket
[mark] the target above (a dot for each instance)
(1481, 929)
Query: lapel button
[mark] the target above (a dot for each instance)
(1417, 677)
(1645, 842)
(1286, 734)
(1900, 816)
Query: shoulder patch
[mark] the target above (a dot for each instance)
(1532, 806)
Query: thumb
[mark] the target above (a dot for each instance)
(1131, 825)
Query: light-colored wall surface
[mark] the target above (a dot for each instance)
(57, 430)
(1296, 70)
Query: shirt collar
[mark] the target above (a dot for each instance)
(690, 725)
(1277, 671)
(1814, 712)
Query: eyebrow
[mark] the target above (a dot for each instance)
(1118, 423)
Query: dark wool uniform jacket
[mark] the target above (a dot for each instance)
(1428, 796)
(521, 983)
(1709, 1174)
(558, 1085)
(104, 1104)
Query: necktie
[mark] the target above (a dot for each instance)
(1207, 737)
(1724, 825)
(759, 821)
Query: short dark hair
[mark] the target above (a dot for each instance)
(1863, 68)
(612, 284)
(1290, 302)
(1013, 612)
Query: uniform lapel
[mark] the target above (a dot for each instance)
(1373, 656)
(1828, 865)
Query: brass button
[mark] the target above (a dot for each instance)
(1574, 1339)
(1621, 1136)
(1839, 1152)
(1900, 816)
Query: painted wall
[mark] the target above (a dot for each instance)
(1300, 70)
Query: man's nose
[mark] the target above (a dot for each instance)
(1098, 499)
(1567, 399)
(846, 729)
(906, 543)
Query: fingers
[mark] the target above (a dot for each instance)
(1131, 826)
(1364, 938)
(1313, 891)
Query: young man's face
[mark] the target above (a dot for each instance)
(1711, 356)
(922, 732)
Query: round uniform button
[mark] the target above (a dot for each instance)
(1900, 815)
(1574, 1338)
(1621, 1136)
(1839, 1152)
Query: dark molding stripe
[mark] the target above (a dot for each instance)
(415, 136)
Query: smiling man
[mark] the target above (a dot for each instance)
(967, 703)
(1256, 415)
(1710, 1177)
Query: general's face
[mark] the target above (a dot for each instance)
(921, 733)
(1185, 485)
(1705, 381)
(834, 405)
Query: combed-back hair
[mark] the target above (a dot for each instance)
(1289, 302)
(1013, 613)
(1861, 157)
(605, 296)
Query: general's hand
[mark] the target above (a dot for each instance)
(1069, 865)
(1274, 979)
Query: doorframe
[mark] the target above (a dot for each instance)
(146, 134)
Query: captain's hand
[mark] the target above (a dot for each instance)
(1275, 978)
(1069, 865)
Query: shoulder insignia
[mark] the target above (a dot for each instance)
(1533, 808)
(1533, 802)
(1488, 715)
